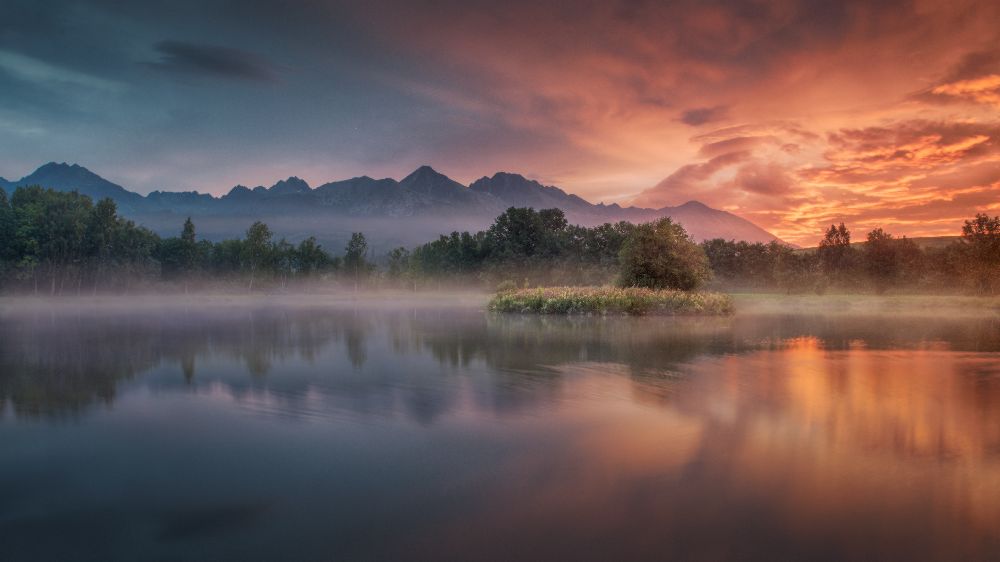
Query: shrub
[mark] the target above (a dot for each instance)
(610, 300)
(661, 255)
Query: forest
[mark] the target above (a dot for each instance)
(62, 243)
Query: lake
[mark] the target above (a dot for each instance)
(388, 432)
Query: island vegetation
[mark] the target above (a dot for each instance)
(55, 242)
(611, 300)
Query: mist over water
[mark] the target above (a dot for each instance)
(239, 430)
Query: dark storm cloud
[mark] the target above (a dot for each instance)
(211, 60)
(702, 115)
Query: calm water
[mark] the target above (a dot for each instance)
(345, 434)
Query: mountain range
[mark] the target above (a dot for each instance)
(410, 211)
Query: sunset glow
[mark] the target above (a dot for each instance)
(793, 114)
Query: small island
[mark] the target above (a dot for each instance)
(660, 270)
(637, 301)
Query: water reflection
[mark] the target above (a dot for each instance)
(57, 365)
(353, 433)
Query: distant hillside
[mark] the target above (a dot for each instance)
(924, 242)
(413, 210)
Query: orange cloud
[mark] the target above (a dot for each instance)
(792, 114)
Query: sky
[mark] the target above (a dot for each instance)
(794, 114)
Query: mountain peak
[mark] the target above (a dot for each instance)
(293, 184)
(504, 182)
(515, 189)
(237, 190)
(64, 168)
(428, 181)
(692, 204)
(424, 172)
(74, 177)
(510, 176)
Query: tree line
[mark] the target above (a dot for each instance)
(58, 242)
(880, 263)
(61, 242)
(530, 247)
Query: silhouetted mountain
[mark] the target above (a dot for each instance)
(425, 192)
(366, 196)
(417, 208)
(518, 191)
(702, 222)
(428, 181)
(291, 185)
(65, 177)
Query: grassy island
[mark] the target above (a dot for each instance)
(611, 300)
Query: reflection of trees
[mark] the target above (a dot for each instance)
(354, 340)
(420, 361)
(56, 365)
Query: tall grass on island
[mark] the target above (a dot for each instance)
(610, 301)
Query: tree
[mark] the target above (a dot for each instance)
(888, 260)
(355, 256)
(52, 229)
(227, 256)
(879, 256)
(516, 233)
(283, 260)
(256, 249)
(661, 255)
(835, 253)
(311, 258)
(8, 229)
(189, 247)
(981, 249)
(101, 234)
(399, 262)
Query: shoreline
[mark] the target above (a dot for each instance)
(744, 303)
(866, 304)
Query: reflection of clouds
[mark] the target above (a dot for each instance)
(751, 436)
(417, 365)
(775, 453)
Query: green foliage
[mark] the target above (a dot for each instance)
(610, 300)
(836, 255)
(8, 228)
(356, 256)
(981, 252)
(310, 258)
(661, 255)
(881, 263)
(257, 249)
(399, 263)
(61, 239)
(538, 246)
(181, 257)
(887, 260)
(60, 242)
(64, 241)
